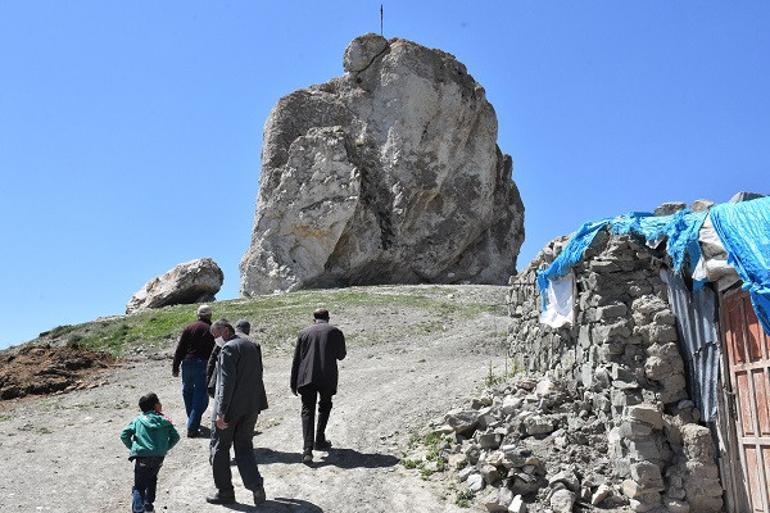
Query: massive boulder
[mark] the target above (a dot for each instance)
(191, 282)
(389, 174)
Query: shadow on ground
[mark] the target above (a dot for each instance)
(342, 458)
(278, 505)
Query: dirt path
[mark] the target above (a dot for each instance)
(63, 454)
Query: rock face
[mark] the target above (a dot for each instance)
(191, 282)
(389, 174)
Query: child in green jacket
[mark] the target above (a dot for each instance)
(149, 436)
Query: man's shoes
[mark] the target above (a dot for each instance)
(259, 496)
(322, 445)
(307, 457)
(193, 433)
(219, 498)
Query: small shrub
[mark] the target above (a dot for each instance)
(464, 499)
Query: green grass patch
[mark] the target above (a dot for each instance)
(277, 319)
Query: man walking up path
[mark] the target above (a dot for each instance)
(192, 353)
(239, 397)
(313, 374)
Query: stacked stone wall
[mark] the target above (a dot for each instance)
(622, 356)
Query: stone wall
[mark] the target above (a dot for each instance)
(622, 356)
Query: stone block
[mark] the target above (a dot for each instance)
(490, 474)
(489, 440)
(656, 368)
(664, 317)
(463, 422)
(517, 505)
(674, 388)
(661, 333)
(567, 478)
(610, 312)
(644, 450)
(524, 484)
(489, 501)
(475, 483)
(538, 425)
(465, 473)
(504, 498)
(511, 404)
(647, 413)
(697, 443)
(562, 501)
(601, 333)
(647, 475)
(602, 492)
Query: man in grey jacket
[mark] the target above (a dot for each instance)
(237, 403)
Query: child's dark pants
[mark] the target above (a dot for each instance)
(145, 481)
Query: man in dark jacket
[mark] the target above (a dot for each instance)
(192, 353)
(238, 400)
(314, 374)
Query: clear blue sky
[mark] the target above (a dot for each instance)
(130, 132)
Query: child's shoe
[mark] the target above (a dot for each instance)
(137, 504)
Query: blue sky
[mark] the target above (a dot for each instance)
(130, 132)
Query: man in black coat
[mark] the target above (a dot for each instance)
(238, 399)
(314, 374)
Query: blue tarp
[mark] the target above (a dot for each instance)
(681, 229)
(744, 229)
(571, 254)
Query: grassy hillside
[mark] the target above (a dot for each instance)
(277, 319)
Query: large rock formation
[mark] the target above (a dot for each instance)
(191, 282)
(389, 174)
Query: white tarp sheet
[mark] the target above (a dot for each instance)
(560, 309)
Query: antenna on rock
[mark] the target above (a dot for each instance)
(382, 17)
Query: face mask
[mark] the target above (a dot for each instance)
(220, 341)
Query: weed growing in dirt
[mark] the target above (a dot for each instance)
(432, 460)
(510, 369)
(464, 498)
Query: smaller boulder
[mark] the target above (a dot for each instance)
(191, 282)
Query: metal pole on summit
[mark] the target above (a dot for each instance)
(382, 17)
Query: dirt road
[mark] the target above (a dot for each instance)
(63, 454)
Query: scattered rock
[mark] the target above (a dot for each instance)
(562, 501)
(475, 483)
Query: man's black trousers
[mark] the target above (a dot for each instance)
(239, 434)
(309, 397)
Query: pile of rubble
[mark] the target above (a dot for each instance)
(48, 369)
(537, 446)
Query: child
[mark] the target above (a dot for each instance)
(149, 436)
